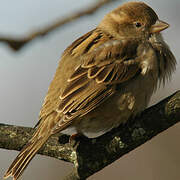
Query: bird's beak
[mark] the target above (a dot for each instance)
(159, 26)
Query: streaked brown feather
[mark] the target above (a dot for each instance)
(94, 71)
(97, 100)
(77, 74)
(74, 85)
(88, 44)
(74, 100)
(70, 98)
(100, 78)
(77, 42)
(93, 42)
(85, 104)
(93, 81)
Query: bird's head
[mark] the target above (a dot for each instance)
(132, 20)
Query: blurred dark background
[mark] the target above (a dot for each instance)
(25, 77)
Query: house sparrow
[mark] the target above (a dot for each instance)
(103, 78)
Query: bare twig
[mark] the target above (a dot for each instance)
(17, 43)
(91, 155)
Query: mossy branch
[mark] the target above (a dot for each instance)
(92, 155)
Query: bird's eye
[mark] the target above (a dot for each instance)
(138, 24)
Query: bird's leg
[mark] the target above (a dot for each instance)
(73, 139)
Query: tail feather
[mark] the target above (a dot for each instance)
(25, 156)
(40, 136)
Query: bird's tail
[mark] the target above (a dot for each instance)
(28, 152)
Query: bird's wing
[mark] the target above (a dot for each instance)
(95, 80)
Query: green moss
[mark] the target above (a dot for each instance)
(138, 134)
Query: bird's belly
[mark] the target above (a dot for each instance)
(129, 100)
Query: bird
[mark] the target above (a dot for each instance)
(103, 78)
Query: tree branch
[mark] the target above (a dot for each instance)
(91, 155)
(17, 43)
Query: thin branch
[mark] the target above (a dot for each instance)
(92, 155)
(16, 44)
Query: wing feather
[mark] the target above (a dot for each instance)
(94, 81)
(103, 64)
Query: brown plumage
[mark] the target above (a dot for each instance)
(103, 78)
